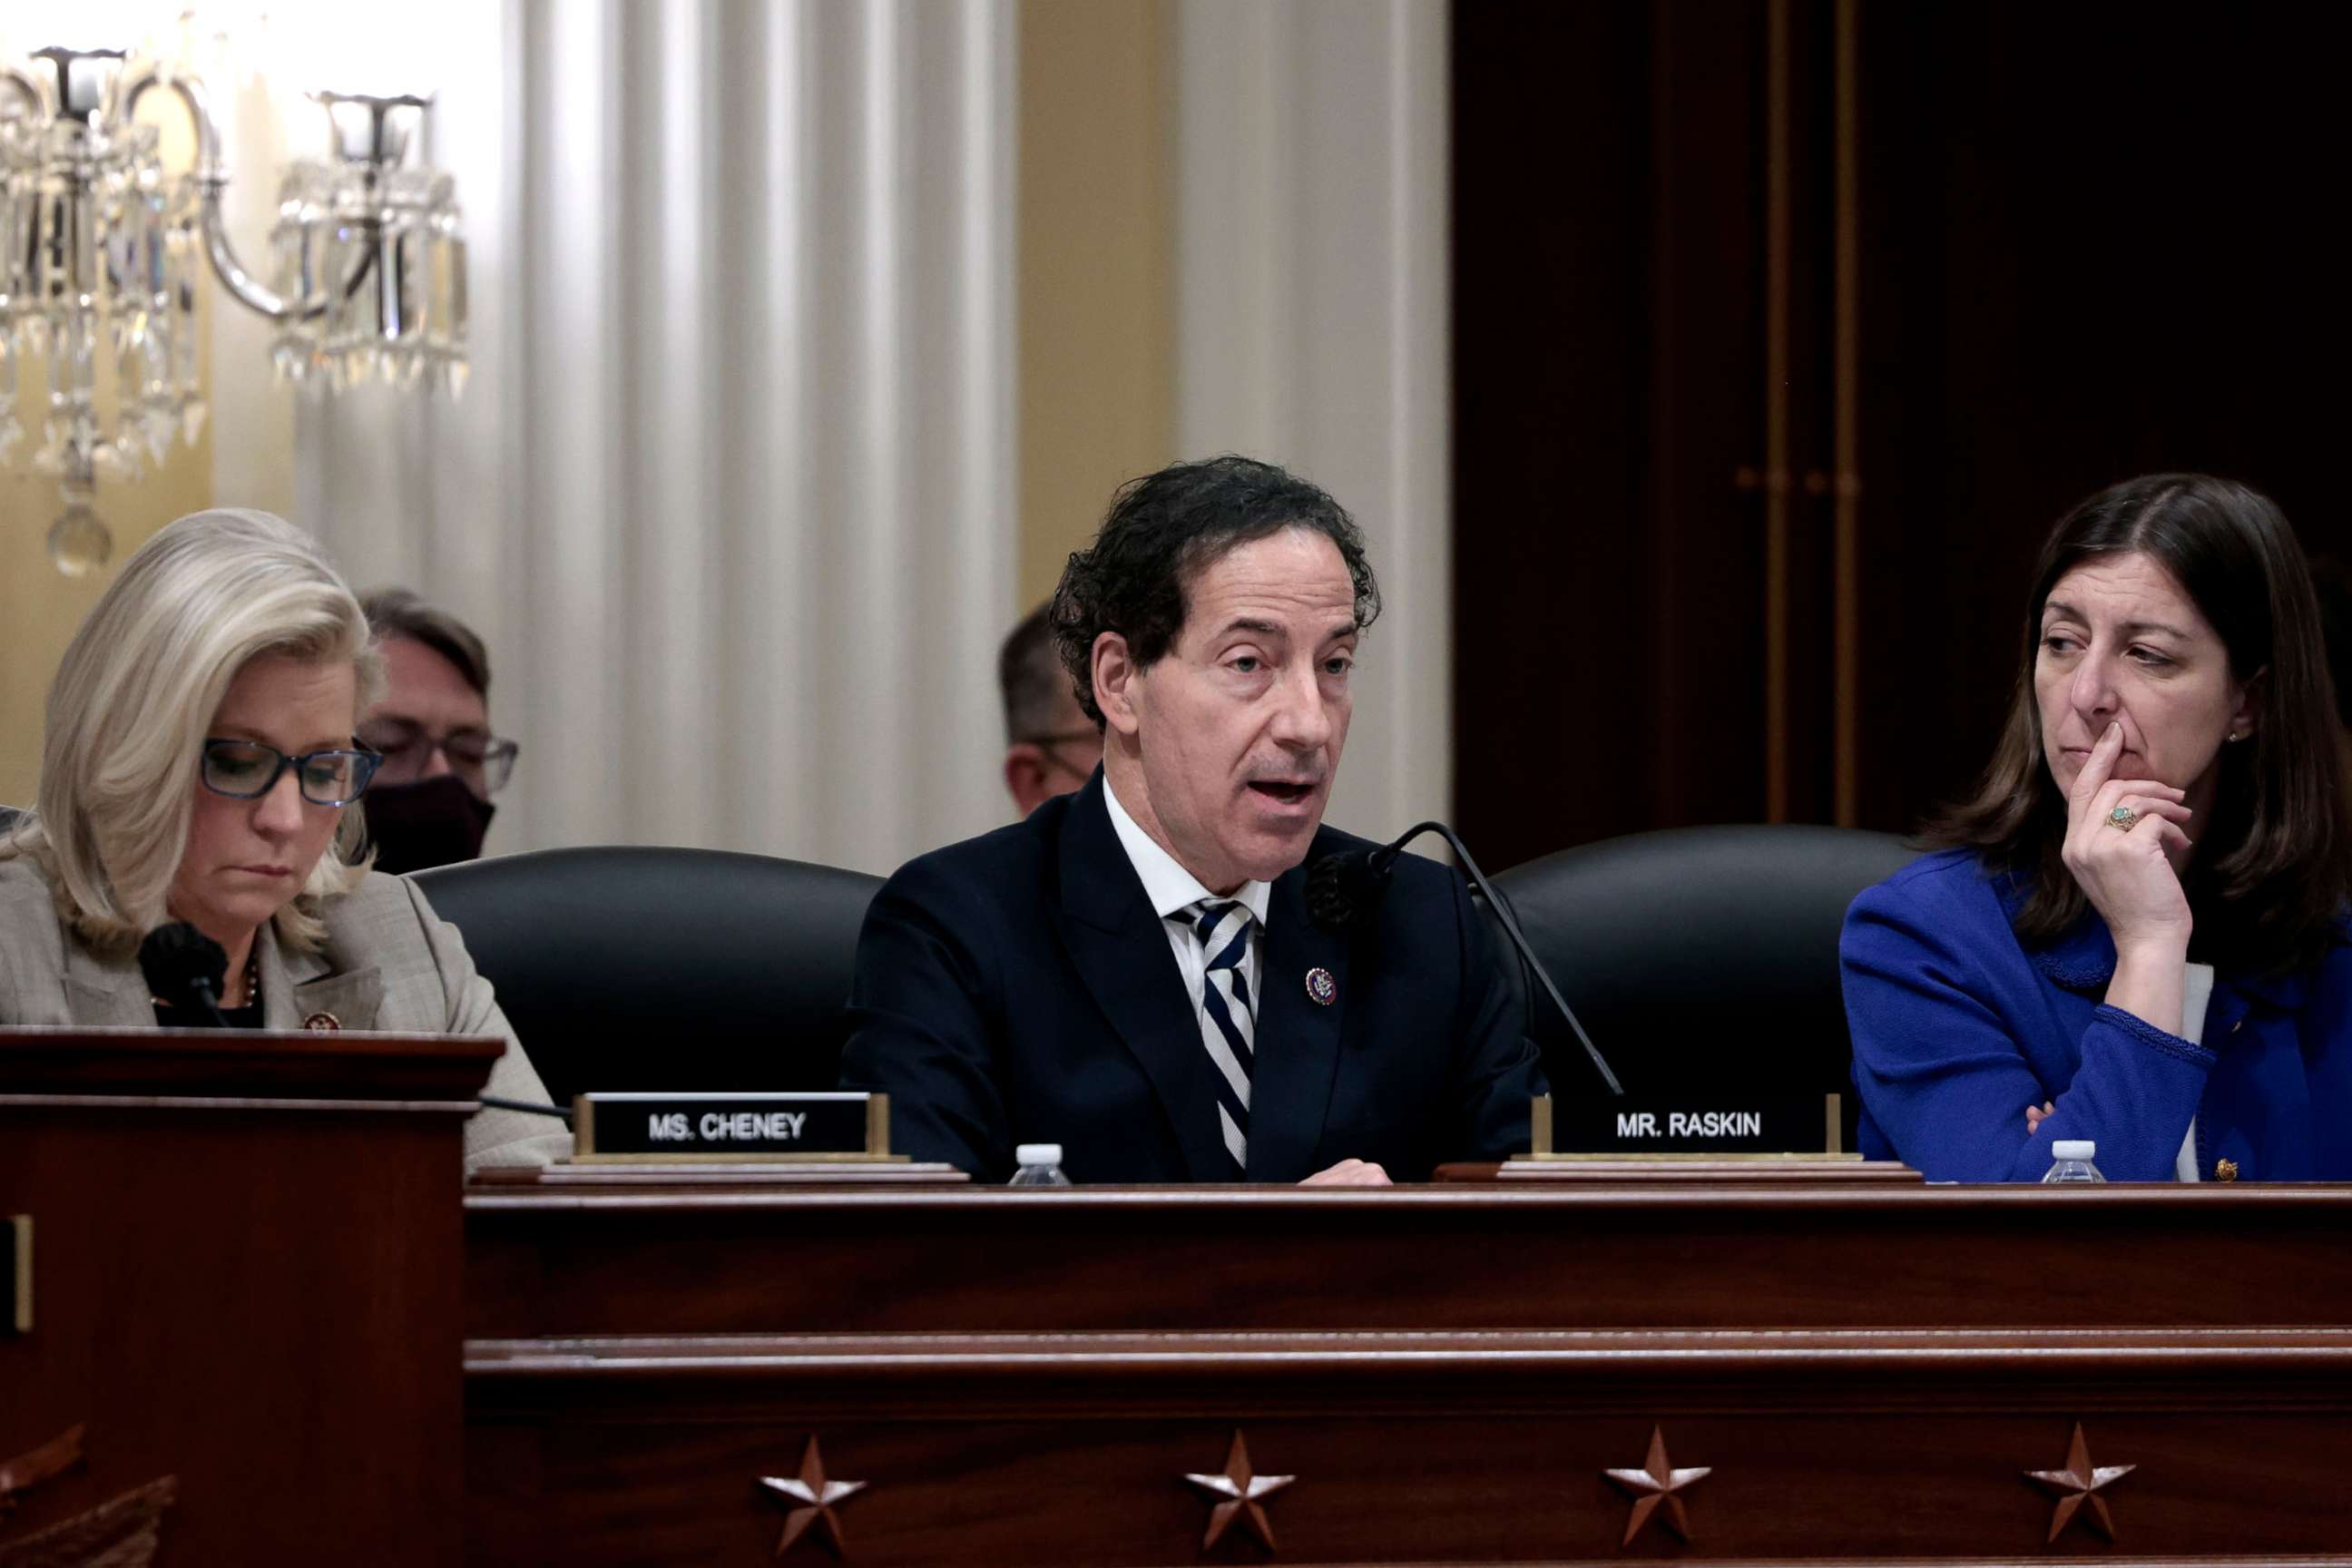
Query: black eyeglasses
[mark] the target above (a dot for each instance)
(484, 761)
(1052, 746)
(247, 770)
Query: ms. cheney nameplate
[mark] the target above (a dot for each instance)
(692, 1127)
(1693, 1126)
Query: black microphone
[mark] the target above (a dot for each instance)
(1345, 887)
(184, 969)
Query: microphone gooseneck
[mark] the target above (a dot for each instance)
(185, 968)
(1344, 889)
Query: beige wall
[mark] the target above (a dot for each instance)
(1096, 370)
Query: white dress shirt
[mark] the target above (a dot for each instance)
(1171, 890)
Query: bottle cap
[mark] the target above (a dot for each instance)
(2074, 1148)
(1038, 1154)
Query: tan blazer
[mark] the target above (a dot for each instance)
(389, 963)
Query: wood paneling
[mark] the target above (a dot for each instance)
(1866, 1369)
(2063, 247)
(245, 1279)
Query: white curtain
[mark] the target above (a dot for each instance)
(1312, 323)
(731, 492)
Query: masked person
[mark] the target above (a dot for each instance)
(430, 804)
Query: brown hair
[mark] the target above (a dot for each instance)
(1030, 675)
(2273, 866)
(401, 613)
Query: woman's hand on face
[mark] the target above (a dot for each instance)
(2128, 873)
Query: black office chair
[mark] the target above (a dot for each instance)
(625, 968)
(1696, 958)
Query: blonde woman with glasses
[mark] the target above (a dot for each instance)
(199, 766)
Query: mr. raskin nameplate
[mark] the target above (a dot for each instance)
(690, 1128)
(1701, 1126)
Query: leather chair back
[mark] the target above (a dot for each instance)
(628, 968)
(1697, 958)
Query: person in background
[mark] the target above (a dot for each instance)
(2334, 583)
(1132, 970)
(431, 802)
(2137, 933)
(199, 767)
(1050, 745)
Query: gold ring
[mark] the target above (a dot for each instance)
(2123, 817)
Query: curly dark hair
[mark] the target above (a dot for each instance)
(1161, 531)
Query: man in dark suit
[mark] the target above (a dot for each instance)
(1131, 971)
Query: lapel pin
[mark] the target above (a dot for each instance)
(322, 1023)
(1322, 987)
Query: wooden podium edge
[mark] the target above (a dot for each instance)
(48, 1064)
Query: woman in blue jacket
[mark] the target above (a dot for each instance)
(2135, 932)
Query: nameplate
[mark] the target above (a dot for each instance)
(694, 1129)
(1696, 1127)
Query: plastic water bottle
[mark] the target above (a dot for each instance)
(1041, 1166)
(2072, 1166)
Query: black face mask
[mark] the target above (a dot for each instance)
(437, 823)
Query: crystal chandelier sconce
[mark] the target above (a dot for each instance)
(100, 248)
(378, 245)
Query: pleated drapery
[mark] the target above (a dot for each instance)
(1311, 311)
(731, 492)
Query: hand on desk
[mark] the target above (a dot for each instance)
(1349, 1173)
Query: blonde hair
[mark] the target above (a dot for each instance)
(135, 694)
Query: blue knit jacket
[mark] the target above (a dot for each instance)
(1958, 1027)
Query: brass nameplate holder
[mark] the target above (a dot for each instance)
(1734, 1126)
(833, 1128)
(17, 1272)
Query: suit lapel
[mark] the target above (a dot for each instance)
(103, 993)
(298, 987)
(1121, 951)
(1297, 1036)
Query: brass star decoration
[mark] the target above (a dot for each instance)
(1241, 1488)
(816, 1497)
(2078, 1483)
(1655, 1489)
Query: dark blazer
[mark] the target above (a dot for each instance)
(1017, 988)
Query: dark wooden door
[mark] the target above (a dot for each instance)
(1784, 329)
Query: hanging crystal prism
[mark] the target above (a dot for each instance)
(100, 245)
(79, 542)
(381, 245)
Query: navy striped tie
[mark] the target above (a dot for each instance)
(1228, 1016)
